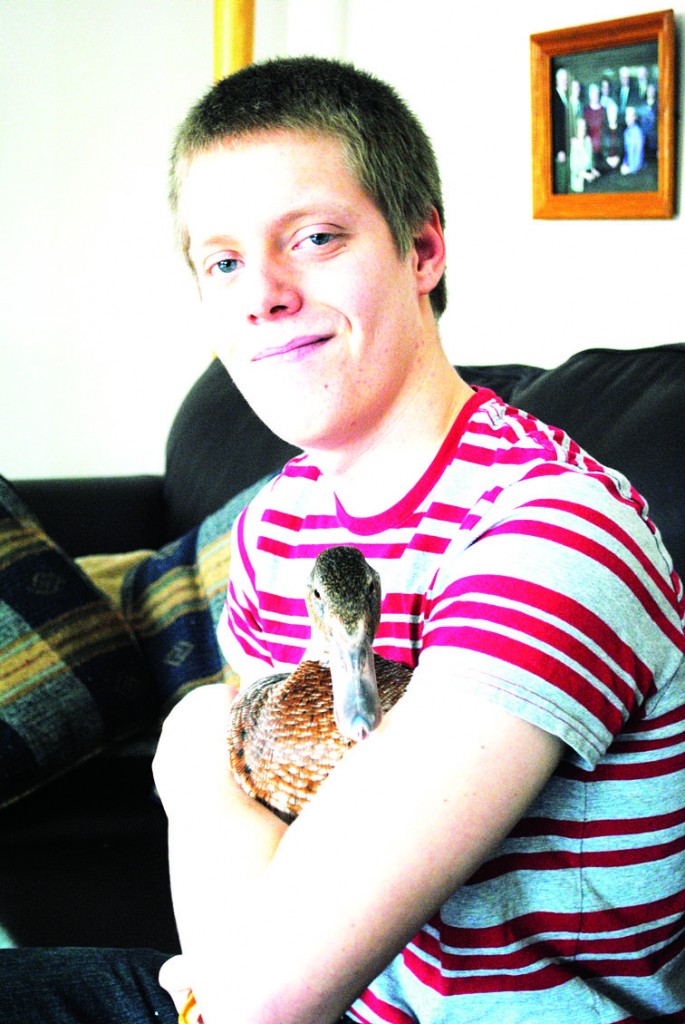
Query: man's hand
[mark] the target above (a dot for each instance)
(173, 977)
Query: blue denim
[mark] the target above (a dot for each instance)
(83, 986)
(75, 985)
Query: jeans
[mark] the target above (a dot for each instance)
(83, 986)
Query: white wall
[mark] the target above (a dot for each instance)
(519, 290)
(96, 309)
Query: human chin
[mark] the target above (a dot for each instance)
(294, 412)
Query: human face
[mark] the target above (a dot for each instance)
(319, 322)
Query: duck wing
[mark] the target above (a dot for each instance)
(283, 740)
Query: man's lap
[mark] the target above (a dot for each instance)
(84, 986)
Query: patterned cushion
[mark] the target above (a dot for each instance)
(173, 602)
(72, 677)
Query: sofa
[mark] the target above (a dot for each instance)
(82, 834)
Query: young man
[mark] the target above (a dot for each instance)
(508, 844)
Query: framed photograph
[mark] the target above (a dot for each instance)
(603, 119)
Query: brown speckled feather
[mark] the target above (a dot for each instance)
(283, 738)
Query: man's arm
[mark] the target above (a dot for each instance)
(291, 925)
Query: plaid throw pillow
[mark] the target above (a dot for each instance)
(72, 677)
(173, 601)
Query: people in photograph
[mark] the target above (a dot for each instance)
(612, 141)
(607, 100)
(575, 106)
(560, 130)
(582, 167)
(642, 83)
(605, 91)
(595, 119)
(648, 116)
(627, 95)
(633, 144)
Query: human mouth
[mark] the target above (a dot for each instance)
(296, 347)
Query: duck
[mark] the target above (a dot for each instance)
(289, 730)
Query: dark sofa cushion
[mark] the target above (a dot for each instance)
(98, 515)
(626, 407)
(216, 448)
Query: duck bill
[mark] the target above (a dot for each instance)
(356, 703)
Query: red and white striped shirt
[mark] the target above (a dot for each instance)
(523, 566)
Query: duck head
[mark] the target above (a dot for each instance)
(344, 602)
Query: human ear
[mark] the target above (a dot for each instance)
(429, 253)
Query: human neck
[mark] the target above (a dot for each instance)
(372, 475)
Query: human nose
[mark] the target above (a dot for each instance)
(271, 293)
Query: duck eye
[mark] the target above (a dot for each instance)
(316, 594)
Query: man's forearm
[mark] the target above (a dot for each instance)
(220, 840)
(290, 926)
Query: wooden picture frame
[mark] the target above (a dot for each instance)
(631, 175)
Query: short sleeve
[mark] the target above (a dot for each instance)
(562, 606)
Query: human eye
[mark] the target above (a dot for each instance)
(222, 267)
(324, 238)
(320, 238)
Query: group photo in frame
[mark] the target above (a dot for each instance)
(602, 100)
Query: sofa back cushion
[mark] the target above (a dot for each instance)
(217, 447)
(626, 407)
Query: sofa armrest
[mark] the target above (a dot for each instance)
(98, 515)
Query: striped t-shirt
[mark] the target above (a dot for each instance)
(521, 565)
